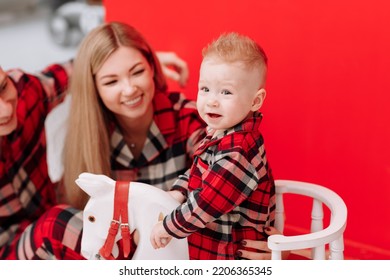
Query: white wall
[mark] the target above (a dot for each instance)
(25, 41)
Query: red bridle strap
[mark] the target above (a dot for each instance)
(120, 218)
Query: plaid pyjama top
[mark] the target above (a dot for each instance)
(25, 188)
(231, 193)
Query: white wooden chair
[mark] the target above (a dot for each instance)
(319, 236)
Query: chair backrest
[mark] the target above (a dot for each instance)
(319, 236)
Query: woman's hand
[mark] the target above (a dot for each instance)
(174, 67)
(259, 245)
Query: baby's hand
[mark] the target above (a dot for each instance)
(178, 196)
(159, 236)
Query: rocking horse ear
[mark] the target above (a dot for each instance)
(94, 184)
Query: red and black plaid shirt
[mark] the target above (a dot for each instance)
(231, 193)
(25, 188)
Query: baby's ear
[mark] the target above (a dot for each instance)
(258, 99)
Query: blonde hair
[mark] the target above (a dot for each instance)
(234, 47)
(87, 144)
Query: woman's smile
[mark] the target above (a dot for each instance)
(133, 102)
(5, 121)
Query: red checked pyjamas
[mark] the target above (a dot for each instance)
(231, 193)
(25, 188)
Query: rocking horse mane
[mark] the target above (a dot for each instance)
(146, 204)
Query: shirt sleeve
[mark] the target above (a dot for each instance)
(46, 88)
(55, 81)
(181, 184)
(225, 185)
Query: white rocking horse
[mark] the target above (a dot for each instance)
(105, 214)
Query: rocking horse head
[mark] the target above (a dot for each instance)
(138, 207)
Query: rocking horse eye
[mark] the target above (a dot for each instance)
(91, 219)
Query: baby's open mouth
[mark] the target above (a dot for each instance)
(213, 115)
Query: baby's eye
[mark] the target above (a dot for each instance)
(226, 92)
(204, 89)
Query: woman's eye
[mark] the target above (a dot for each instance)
(138, 72)
(109, 83)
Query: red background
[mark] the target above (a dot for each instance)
(326, 115)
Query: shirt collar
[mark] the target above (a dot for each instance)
(250, 124)
(157, 140)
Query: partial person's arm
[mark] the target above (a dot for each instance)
(179, 190)
(174, 67)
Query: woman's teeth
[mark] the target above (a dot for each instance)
(132, 101)
(3, 122)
